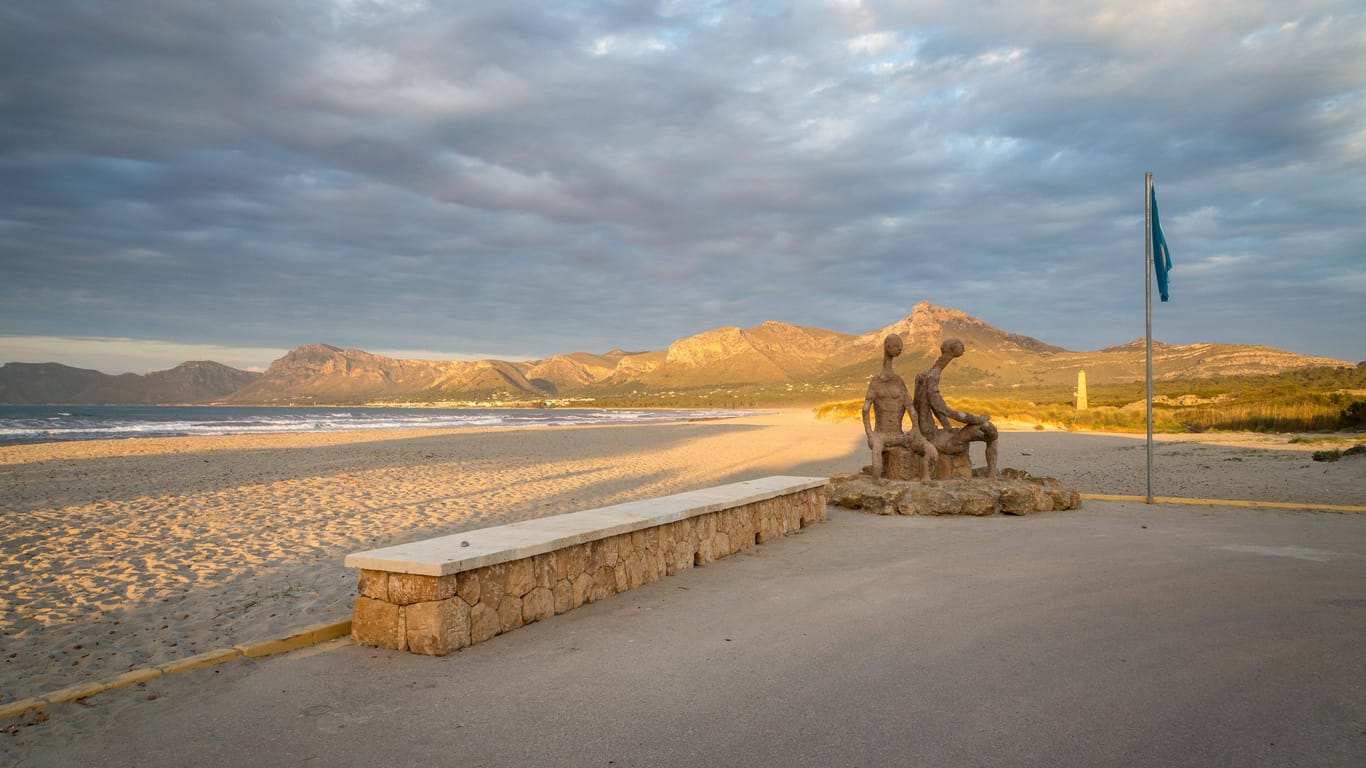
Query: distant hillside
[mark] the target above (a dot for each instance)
(192, 382)
(568, 372)
(1173, 361)
(318, 373)
(771, 353)
(770, 357)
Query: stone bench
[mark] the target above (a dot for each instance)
(439, 595)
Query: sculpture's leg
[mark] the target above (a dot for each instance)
(930, 463)
(877, 445)
(990, 433)
(961, 439)
(952, 445)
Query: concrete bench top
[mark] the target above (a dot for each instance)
(468, 550)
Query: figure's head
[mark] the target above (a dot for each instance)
(891, 346)
(952, 348)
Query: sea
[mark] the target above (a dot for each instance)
(21, 424)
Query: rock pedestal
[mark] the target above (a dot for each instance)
(1015, 492)
(949, 466)
(897, 463)
(901, 463)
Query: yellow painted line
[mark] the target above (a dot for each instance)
(313, 635)
(16, 708)
(84, 690)
(1224, 502)
(293, 642)
(324, 632)
(198, 661)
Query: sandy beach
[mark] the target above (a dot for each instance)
(119, 554)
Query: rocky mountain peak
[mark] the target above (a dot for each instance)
(707, 347)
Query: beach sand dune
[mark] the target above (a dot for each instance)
(119, 554)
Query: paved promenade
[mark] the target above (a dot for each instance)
(1116, 635)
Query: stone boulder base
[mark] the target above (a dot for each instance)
(1015, 492)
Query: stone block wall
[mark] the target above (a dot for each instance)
(435, 615)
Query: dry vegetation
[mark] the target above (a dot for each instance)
(1306, 400)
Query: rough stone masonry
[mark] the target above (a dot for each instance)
(436, 615)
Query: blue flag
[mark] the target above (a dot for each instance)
(1162, 258)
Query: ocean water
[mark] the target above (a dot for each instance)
(43, 423)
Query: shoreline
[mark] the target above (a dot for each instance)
(120, 554)
(36, 425)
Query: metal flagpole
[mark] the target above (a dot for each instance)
(1148, 312)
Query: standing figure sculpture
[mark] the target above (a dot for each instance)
(930, 405)
(890, 402)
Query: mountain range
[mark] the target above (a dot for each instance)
(772, 356)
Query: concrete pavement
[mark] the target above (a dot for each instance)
(1119, 634)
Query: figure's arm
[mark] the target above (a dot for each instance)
(905, 408)
(944, 413)
(943, 419)
(867, 405)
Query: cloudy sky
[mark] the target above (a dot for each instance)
(229, 180)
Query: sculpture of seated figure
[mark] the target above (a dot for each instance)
(930, 406)
(890, 402)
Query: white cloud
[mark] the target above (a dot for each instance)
(345, 12)
(873, 43)
(630, 45)
(533, 177)
(1219, 263)
(825, 134)
(383, 84)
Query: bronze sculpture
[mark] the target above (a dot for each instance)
(935, 418)
(890, 402)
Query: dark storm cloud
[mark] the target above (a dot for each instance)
(523, 179)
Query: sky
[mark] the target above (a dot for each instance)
(459, 180)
